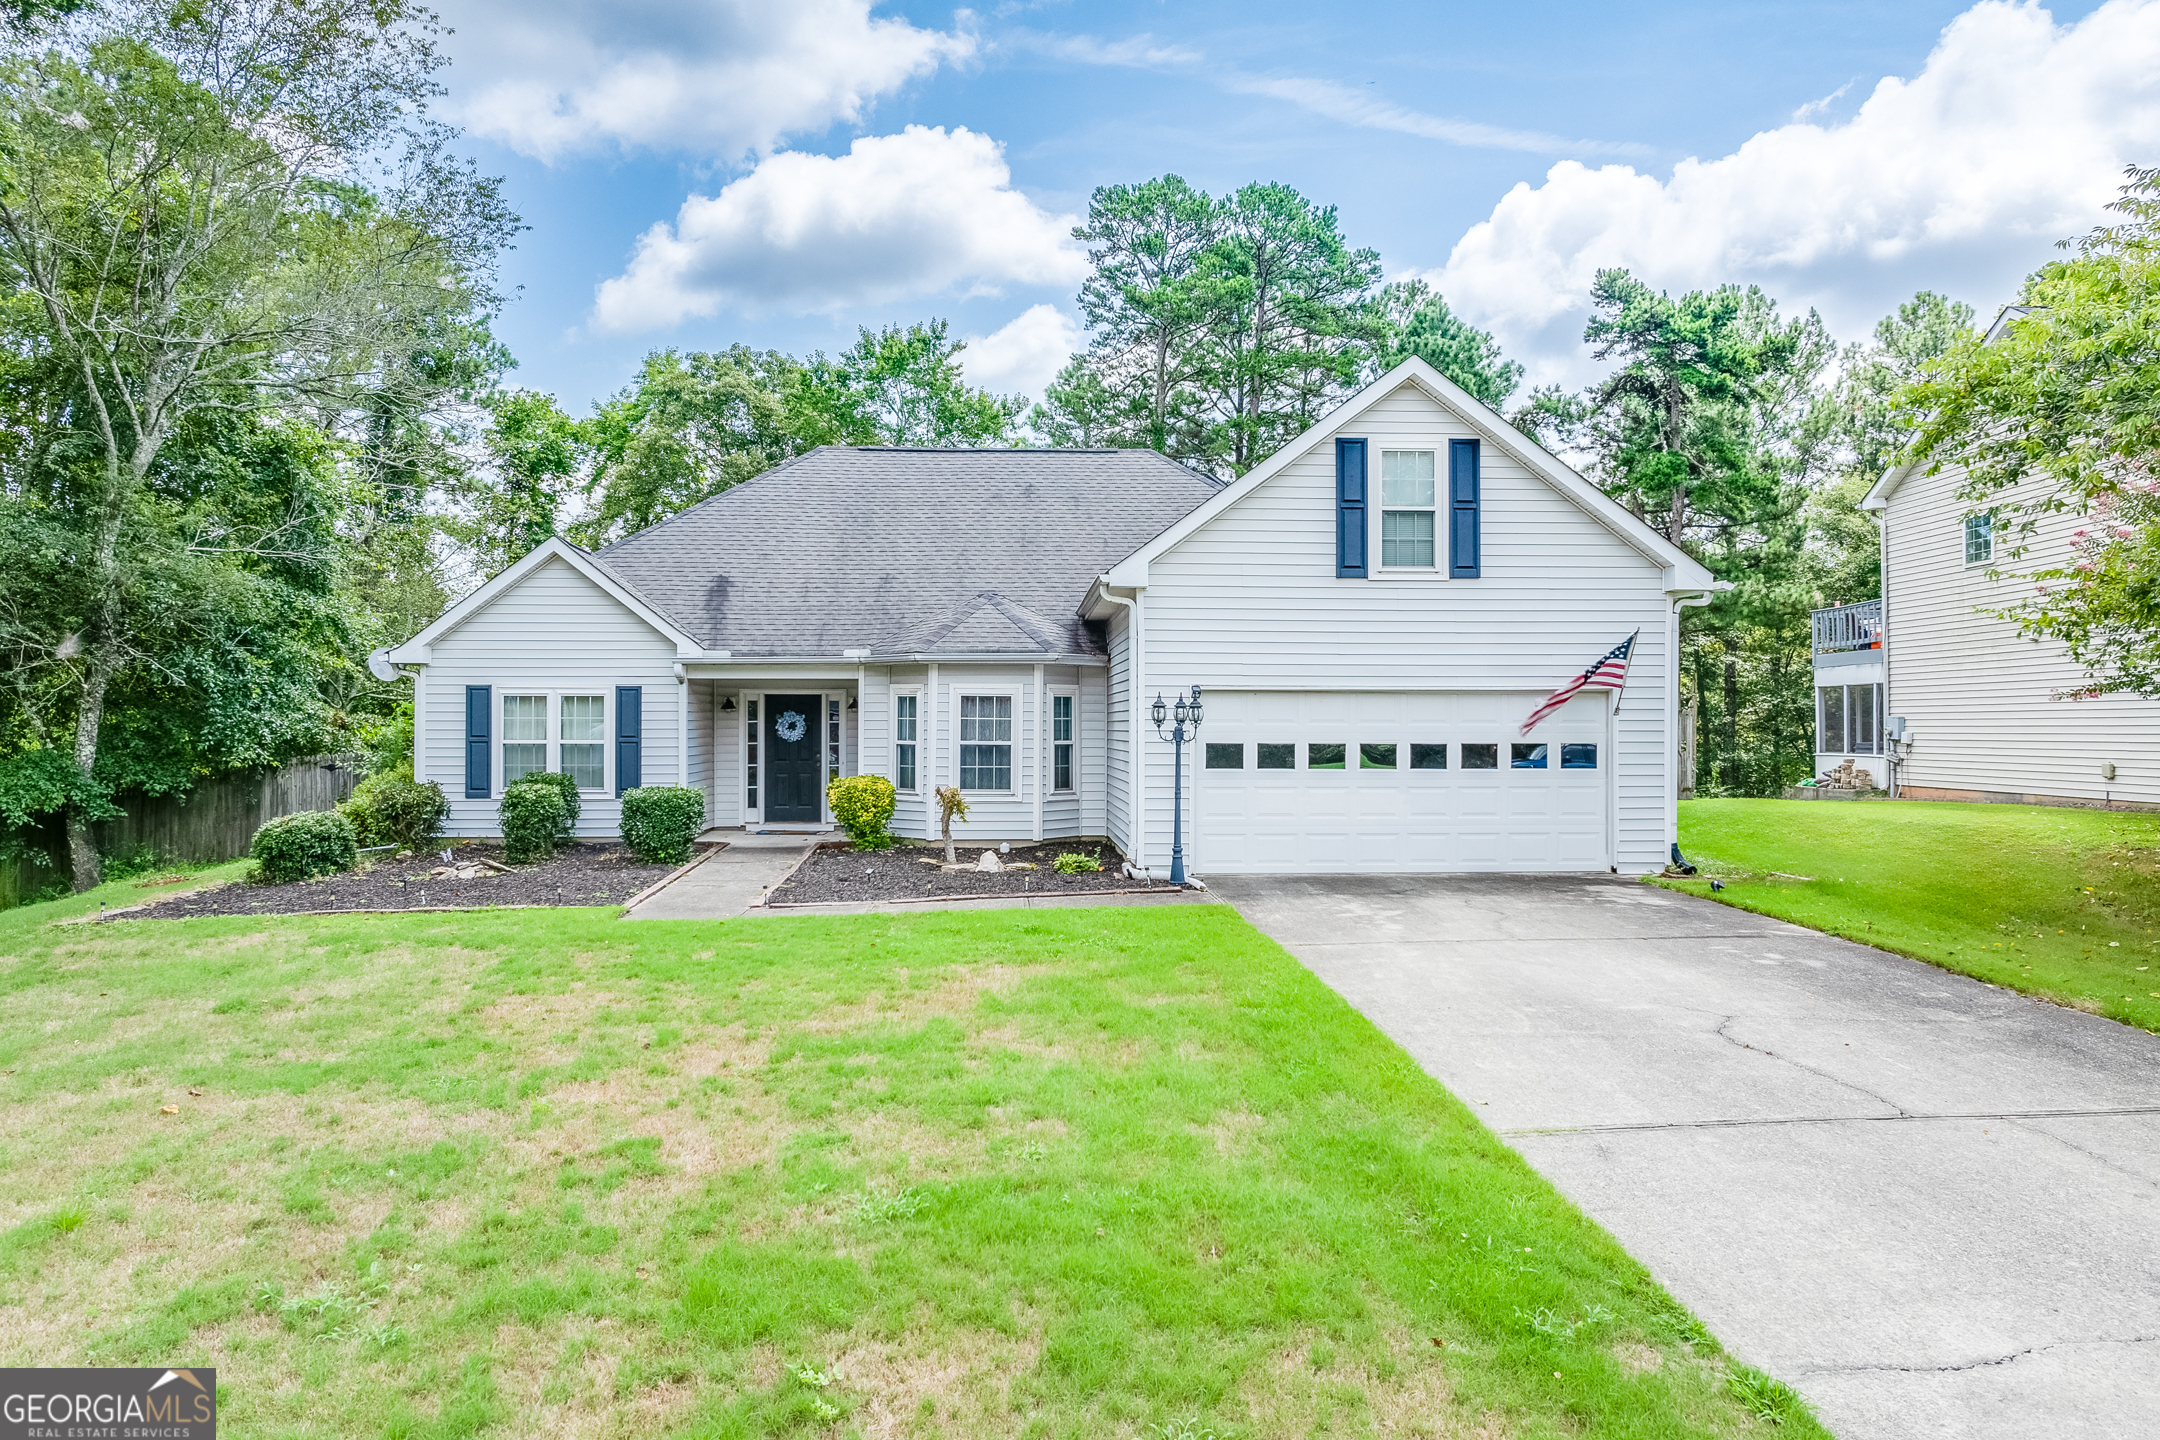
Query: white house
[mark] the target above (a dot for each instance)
(1968, 708)
(1371, 615)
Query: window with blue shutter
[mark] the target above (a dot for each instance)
(479, 712)
(629, 737)
(1350, 530)
(1463, 509)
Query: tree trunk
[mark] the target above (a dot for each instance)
(83, 861)
(1731, 720)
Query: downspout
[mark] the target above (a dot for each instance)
(682, 727)
(1135, 851)
(929, 743)
(1042, 749)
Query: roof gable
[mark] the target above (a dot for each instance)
(415, 650)
(1683, 571)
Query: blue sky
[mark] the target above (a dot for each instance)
(826, 164)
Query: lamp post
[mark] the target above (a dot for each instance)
(1184, 721)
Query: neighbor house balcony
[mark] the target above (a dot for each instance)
(1849, 635)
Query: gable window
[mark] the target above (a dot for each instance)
(525, 727)
(584, 740)
(904, 708)
(1061, 742)
(1407, 509)
(1980, 538)
(986, 742)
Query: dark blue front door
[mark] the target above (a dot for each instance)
(795, 787)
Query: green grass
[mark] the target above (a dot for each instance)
(1021, 1173)
(2055, 902)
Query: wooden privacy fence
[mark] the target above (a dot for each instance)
(216, 820)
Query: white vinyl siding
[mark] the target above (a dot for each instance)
(1983, 701)
(554, 633)
(1251, 601)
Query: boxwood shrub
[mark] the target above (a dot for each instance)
(565, 787)
(534, 821)
(392, 809)
(302, 846)
(660, 823)
(863, 804)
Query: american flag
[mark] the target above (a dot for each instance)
(1609, 673)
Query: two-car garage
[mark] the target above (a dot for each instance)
(1291, 782)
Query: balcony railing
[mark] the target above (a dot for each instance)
(1849, 627)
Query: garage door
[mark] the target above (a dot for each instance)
(1296, 783)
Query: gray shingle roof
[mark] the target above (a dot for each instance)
(906, 551)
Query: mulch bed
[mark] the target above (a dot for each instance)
(912, 872)
(580, 875)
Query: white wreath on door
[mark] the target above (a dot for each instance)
(791, 726)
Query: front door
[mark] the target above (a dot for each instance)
(795, 773)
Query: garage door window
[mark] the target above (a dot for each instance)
(1376, 757)
(1528, 757)
(1225, 757)
(1481, 757)
(1326, 757)
(1428, 757)
(1275, 757)
(1578, 757)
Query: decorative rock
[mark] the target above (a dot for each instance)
(989, 864)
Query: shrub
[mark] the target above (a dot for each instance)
(534, 822)
(391, 809)
(302, 846)
(661, 822)
(565, 787)
(1071, 863)
(863, 804)
(388, 747)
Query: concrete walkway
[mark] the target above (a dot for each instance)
(729, 883)
(1927, 1204)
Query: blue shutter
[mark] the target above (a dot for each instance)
(479, 711)
(629, 737)
(1462, 472)
(1350, 530)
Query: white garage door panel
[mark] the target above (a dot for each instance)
(1305, 821)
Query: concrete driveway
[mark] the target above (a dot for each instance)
(1931, 1206)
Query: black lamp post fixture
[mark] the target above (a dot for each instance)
(1184, 720)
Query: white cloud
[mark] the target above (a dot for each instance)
(722, 78)
(918, 213)
(1375, 112)
(1024, 355)
(2013, 135)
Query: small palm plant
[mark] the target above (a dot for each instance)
(951, 806)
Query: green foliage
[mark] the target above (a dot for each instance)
(1766, 1397)
(388, 808)
(1417, 321)
(302, 846)
(537, 454)
(660, 823)
(2060, 412)
(534, 822)
(1073, 863)
(898, 386)
(42, 781)
(387, 745)
(863, 804)
(564, 786)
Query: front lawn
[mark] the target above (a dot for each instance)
(1041, 1173)
(2056, 902)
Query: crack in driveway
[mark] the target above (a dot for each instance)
(1899, 1111)
(1985, 1364)
(1730, 1124)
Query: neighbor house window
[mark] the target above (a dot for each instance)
(1980, 538)
(584, 740)
(1225, 757)
(1527, 757)
(986, 742)
(1275, 757)
(1406, 509)
(1481, 757)
(1061, 742)
(904, 707)
(525, 725)
(1850, 720)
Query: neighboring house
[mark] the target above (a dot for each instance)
(1371, 615)
(1939, 696)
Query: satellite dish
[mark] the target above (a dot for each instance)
(378, 664)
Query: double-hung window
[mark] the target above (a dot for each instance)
(904, 719)
(1407, 509)
(1980, 538)
(584, 740)
(525, 737)
(986, 742)
(1061, 742)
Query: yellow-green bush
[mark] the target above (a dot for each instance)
(863, 804)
